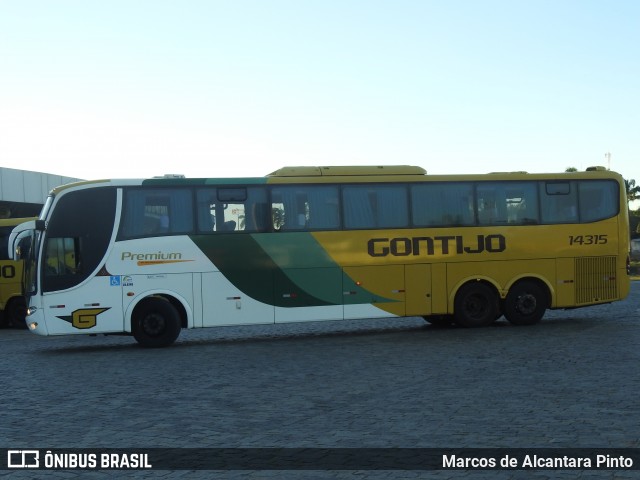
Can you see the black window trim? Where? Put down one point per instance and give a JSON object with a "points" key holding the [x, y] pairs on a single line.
{"points": [[341, 204]]}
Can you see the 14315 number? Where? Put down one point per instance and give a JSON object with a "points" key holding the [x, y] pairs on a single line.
{"points": [[587, 239]]}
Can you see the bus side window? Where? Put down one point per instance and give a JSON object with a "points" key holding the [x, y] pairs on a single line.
{"points": [[558, 201], [442, 204], [277, 214], [246, 208], [260, 214], [375, 206], [305, 207], [157, 211], [491, 202], [289, 208], [232, 209], [522, 203], [206, 208], [598, 199]]}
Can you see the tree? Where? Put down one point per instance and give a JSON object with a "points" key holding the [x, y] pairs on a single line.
{"points": [[571, 169], [633, 190], [278, 217], [634, 222]]}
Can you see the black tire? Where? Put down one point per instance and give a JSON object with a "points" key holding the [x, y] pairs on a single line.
{"points": [[475, 305], [439, 320], [526, 303], [155, 323], [16, 313]]}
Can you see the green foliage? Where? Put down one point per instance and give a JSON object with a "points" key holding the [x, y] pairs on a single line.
{"points": [[278, 217], [634, 222], [633, 190]]}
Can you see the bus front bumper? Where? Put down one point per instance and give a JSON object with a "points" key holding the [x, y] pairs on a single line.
{"points": [[35, 321]]}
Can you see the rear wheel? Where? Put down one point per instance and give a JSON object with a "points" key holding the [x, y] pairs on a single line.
{"points": [[476, 305], [526, 303], [155, 323]]}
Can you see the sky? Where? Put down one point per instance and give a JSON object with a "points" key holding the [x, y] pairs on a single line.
{"points": [[128, 89]]}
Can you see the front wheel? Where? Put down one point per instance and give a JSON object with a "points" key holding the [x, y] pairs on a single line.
{"points": [[476, 305], [526, 303], [155, 323]]}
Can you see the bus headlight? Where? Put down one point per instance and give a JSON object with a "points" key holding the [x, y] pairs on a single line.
{"points": [[33, 325], [31, 311]]}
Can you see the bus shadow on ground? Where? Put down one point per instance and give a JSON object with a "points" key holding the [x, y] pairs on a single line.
{"points": [[280, 333]]}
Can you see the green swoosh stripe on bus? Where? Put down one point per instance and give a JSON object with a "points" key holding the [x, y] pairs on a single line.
{"points": [[253, 262]]}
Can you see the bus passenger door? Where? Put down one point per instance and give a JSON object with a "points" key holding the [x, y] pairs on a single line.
{"points": [[373, 291], [225, 304], [418, 289]]}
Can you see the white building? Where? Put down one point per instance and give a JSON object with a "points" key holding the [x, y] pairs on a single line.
{"points": [[22, 193]]}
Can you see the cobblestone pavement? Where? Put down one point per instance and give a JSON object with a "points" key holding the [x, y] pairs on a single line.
{"points": [[571, 381]]}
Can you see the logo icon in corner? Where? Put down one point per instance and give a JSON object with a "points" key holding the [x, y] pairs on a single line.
{"points": [[84, 317], [23, 458]]}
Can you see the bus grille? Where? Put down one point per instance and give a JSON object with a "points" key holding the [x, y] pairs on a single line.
{"points": [[596, 280]]}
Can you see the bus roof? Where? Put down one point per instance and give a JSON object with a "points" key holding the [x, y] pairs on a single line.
{"points": [[348, 171], [346, 174]]}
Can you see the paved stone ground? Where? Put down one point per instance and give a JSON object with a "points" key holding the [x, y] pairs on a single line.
{"points": [[571, 381]]}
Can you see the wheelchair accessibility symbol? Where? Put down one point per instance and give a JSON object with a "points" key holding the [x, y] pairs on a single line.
{"points": [[115, 280]]}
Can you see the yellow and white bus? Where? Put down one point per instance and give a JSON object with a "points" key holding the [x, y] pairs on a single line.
{"points": [[12, 303], [149, 257]]}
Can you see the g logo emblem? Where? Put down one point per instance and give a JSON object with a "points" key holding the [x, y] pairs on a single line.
{"points": [[86, 317]]}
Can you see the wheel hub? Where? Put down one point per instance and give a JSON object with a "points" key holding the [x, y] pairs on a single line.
{"points": [[476, 306], [526, 304], [153, 324]]}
